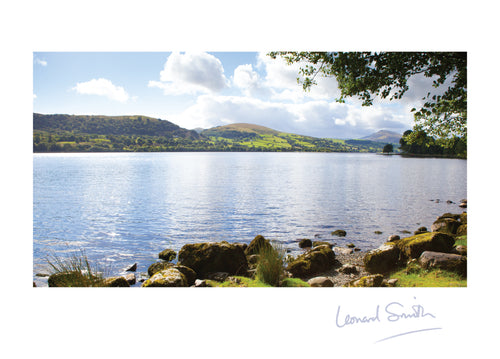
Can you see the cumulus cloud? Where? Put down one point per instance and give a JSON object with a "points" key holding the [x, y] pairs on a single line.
{"points": [[250, 82], [102, 87], [191, 73]]}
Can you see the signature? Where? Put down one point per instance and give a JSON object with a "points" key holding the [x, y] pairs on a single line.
{"points": [[392, 312]]}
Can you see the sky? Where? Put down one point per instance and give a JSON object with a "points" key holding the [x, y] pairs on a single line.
{"points": [[208, 89]]}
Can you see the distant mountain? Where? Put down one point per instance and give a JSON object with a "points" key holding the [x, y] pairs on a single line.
{"points": [[110, 125], [384, 136]]}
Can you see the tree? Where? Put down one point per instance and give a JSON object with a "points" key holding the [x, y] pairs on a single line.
{"points": [[385, 74], [388, 148]]}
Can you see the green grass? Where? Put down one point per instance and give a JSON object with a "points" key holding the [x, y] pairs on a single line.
{"points": [[243, 282], [461, 241], [428, 278], [74, 270]]}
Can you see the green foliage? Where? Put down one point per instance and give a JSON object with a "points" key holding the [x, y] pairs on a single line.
{"points": [[388, 148], [418, 142], [385, 74]]}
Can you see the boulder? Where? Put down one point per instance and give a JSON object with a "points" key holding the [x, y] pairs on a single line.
{"points": [[445, 225], [188, 273], [462, 250], [414, 246], [170, 277], [393, 238], [167, 255], [71, 279], [383, 259], [256, 244], [374, 280], [320, 282], [130, 278], [243, 246], [314, 261], [201, 283], [116, 282], [218, 276], [348, 269], [462, 230], [339, 233], [321, 243], [211, 257], [451, 262], [305, 243], [157, 267]]}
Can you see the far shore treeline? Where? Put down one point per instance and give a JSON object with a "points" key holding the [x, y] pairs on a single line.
{"points": [[78, 133]]}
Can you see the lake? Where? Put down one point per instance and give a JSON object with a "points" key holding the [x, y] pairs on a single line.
{"points": [[123, 208]]}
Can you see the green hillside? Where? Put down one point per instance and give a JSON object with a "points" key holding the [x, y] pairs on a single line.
{"points": [[71, 133]]}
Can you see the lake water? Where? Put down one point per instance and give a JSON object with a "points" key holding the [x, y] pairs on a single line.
{"points": [[123, 208]]}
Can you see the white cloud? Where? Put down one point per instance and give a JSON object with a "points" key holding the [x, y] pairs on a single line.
{"points": [[249, 81], [40, 62], [314, 118], [34, 96], [102, 87], [191, 73]]}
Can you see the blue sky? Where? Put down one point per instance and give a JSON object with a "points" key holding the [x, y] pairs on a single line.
{"points": [[207, 89]]}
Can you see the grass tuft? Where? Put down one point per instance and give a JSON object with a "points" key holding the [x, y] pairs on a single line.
{"points": [[270, 267]]}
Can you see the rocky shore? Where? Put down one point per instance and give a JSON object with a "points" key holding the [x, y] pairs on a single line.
{"points": [[320, 264]]}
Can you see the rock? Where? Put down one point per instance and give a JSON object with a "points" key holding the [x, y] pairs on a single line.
{"points": [[321, 243], [449, 202], [132, 268], [451, 262], [414, 246], [314, 261], [170, 277], [199, 283], [342, 250], [188, 273], [374, 280], [390, 282], [256, 244], [130, 278], [393, 238], [382, 259], [157, 267], [167, 255], [463, 205], [445, 225], [462, 250], [69, 279], [218, 276], [350, 245], [463, 218], [34, 284], [320, 282], [116, 282], [243, 246], [348, 269], [339, 233], [378, 232], [253, 259], [305, 243], [211, 257]]}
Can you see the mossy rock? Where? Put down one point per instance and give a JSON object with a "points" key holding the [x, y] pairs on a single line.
{"points": [[414, 246], [170, 277], [257, 244], [445, 225], [339, 233], [305, 243], [463, 218], [451, 262], [116, 282], [314, 261], [188, 273], [167, 255], [383, 259], [374, 280], [321, 243], [210, 257], [73, 279], [157, 267]]}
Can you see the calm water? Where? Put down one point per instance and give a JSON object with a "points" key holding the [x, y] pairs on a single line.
{"points": [[125, 208]]}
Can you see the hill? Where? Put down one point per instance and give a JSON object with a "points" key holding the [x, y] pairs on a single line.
{"points": [[384, 136], [73, 133], [260, 138]]}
